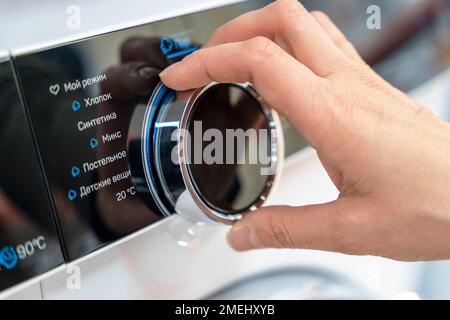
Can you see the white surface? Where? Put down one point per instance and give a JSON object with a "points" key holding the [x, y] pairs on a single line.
{"points": [[25, 26], [3, 55], [32, 292], [29, 289]]}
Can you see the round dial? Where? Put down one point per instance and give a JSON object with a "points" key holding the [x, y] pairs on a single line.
{"points": [[220, 145]]}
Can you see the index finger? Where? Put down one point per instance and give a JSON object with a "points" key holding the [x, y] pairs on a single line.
{"points": [[291, 26], [284, 83]]}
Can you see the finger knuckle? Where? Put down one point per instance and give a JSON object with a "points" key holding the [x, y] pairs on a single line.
{"points": [[338, 37], [223, 33], [320, 15], [290, 9], [261, 47], [341, 41], [200, 53], [343, 104], [203, 59]]}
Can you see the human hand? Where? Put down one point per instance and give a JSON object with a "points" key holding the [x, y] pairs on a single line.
{"points": [[388, 157]]}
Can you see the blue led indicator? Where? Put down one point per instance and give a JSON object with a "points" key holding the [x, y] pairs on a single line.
{"points": [[76, 105], [75, 171], [71, 194], [8, 257], [177, 45], [93, 143]]}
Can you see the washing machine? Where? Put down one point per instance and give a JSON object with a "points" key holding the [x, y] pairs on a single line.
{"points": [[84, 213]]}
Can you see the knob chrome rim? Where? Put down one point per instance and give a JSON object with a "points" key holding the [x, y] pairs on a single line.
{"points": [[154, 153], [276, 155]]}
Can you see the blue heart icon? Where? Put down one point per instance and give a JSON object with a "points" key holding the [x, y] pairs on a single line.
{"points": [[93, 143], [72, 194], [76, 105], [75, 171]]}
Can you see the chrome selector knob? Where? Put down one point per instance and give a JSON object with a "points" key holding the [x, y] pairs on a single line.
{"points": [[215, 151]]}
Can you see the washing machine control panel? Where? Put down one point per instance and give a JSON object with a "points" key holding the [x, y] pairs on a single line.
{"points": [[87, 103], [29, 242]]}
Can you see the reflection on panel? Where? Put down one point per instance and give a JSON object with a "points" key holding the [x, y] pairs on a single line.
{"points": [[82, 98], [28, 239]]}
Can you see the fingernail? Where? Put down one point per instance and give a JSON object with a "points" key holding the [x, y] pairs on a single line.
{"points": [[162, 73], [242, 238]]}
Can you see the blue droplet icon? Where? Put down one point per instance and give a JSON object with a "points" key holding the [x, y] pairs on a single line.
{"points": [[93, 143], [72, 194], [76, 105], [75, 171]]}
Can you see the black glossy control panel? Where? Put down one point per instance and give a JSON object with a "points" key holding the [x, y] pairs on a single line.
{"points": [[67, 119], [29, 242], [82, 100]]}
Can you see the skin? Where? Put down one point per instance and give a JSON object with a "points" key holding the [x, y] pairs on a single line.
{"points": [[388, 157]]}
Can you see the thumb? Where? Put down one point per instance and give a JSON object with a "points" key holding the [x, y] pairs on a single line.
{"points": [[310, 227]]}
